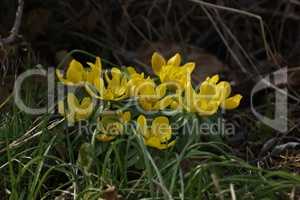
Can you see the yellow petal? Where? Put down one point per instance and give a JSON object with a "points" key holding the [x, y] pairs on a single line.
{"points": [[163, 103], [214, 79], [94, 72], [207, 90], [98, 64], [158, 121], [175, 60], [134, 83], [73, 102], [161, 90], [126, 117], [189, 98], [175, 105], [160, 128], [142, 125], [131, 71], [206, 108], [118, 84], [146, 104], [108, 95], [223, 90], [153, 142], [86, 102], [82, 111], [61, 78], [116, 72], [114, 128], [156, 143], [99, 85], [104, 138], [147, 88], [116, 78], [83, 115], [122, 88], [85, 109], [75, 72], [157, 62], [73, 106], [232, 102], [164, 73], [189, 67]]}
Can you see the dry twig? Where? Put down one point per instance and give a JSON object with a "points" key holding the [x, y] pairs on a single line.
{"points": [[15, 29]]}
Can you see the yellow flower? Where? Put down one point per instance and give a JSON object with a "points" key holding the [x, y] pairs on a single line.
{"points": [[222, 93], [135, 81], [152, 97], [205, 102], [76, 74], [159, 135], [232, 102], [170, 71], [112, 125], [125, 117], [115, 88], [76, 111], [213, 95], [207, 107]]}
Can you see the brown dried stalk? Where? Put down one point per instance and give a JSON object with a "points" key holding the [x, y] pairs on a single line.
{"points": [[15, 29]]}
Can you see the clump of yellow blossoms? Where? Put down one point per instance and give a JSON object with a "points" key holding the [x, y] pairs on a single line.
{"points": [[169, 89]]}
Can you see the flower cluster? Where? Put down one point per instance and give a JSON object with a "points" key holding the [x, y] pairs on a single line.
{"points": [[169, 88]]}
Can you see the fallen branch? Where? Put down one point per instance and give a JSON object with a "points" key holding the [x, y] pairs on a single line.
{"points": [[15, 29]]}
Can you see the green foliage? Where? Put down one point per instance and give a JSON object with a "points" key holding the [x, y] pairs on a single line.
{"points": [[194, 170]]}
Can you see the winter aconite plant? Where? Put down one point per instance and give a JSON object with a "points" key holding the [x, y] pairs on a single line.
{"points": [[118, 98]]}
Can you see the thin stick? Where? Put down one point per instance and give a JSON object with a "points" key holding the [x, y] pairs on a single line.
{"points": [[15, 29], [242, 12], [5, 101], [235, 57], [232, 192]]}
